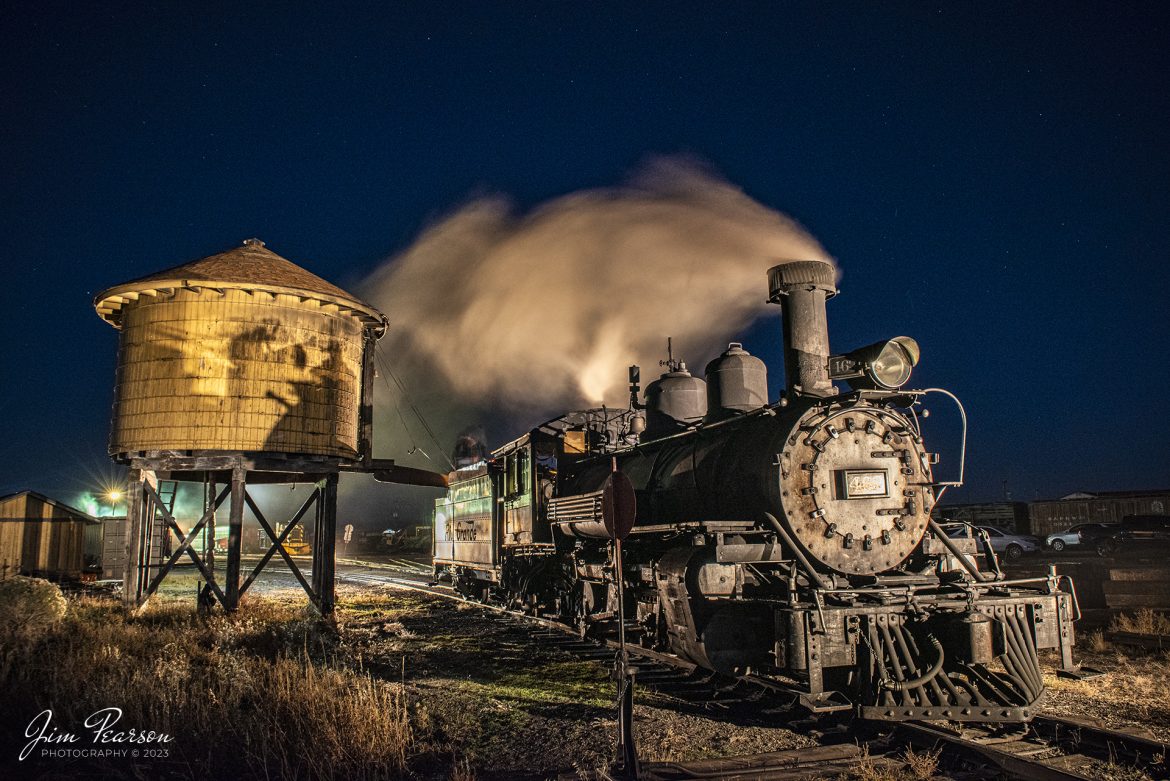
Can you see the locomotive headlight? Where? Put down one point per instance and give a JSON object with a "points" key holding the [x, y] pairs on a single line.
{"points": [[885, 365], [891, 368]]}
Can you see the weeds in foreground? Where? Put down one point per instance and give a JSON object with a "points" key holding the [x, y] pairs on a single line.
{"points": [[1134, 690], [1146, 621], [921, 766], [1098, 643], [249, 695], [461, 770], [910, 765]]}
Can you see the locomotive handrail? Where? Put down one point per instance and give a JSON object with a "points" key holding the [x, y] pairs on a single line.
{"points": [[963, 438], [1072, 590]]}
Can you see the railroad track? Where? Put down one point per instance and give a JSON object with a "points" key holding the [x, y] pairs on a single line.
{"points": [[1140, 640], [1049, 748]]}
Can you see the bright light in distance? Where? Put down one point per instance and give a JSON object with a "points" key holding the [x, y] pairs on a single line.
{"points": [[114, 495]]}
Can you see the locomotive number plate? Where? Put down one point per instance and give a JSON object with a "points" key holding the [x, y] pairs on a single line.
{"points": [[862, 483]]}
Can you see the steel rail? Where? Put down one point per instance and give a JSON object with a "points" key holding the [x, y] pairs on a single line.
{"points": [[927, 737], [1073, 737], [1106, 743]]}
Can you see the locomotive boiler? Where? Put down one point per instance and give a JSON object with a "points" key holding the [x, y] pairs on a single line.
{"points": [[791, 539]]}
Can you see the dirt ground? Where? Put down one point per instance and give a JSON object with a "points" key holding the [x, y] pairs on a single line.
{"points": [[486, 700], [1132, 694], [492, 703], [489, 699]]}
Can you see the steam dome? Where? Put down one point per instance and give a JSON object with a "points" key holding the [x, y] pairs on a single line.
{"points": [[737, 382], [242, 351], [674, 402]]}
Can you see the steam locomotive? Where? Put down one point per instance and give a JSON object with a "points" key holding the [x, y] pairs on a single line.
{"points": [[791, 540]]}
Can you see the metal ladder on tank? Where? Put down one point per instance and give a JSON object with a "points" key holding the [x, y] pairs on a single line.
{"points": [[167, 490]]}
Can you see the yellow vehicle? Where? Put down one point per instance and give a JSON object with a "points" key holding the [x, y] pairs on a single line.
{"points": [[295, 543]]}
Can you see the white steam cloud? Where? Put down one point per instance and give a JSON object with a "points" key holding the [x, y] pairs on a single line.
{"points": [[545, 310]]}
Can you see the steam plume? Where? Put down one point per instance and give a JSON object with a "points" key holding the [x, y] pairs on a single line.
{"points": [[543, 311]]}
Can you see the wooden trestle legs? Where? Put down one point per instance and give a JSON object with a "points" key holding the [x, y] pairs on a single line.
{"points": [[151, 526], [324, 553]]}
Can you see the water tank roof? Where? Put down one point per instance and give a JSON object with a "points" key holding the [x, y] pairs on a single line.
{"points": [[250, 266]]}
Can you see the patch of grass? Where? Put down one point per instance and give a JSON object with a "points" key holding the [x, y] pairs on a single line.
{"points": [[1133, 691], [182, 583], [1098, 643], [461, 770], [552, 682], [1146, 621], [257, 694], [393, 605], [910, 766], [921, 766], [871, 768]]}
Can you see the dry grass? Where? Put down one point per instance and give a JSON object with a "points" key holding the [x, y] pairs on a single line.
{"points": [[921, 766], [461, 770], [1144, 621], [911, 765], [1098, 643], [255, 695], [1133, 693]]}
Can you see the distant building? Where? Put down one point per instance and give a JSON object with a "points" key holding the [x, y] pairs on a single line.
{"points": [[1006, 516], [42, 537], [1052, 515]]}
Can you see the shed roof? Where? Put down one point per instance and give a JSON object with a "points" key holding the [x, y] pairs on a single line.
{"points": [[250, 266], [12, 501]]}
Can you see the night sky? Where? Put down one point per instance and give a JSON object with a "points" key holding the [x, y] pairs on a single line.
{"points": [[991, 178]]}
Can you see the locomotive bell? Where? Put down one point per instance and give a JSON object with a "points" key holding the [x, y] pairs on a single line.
{"points": [[637, 424]]}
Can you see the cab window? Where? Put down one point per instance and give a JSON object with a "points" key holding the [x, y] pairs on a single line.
{"points": [[517, 472]]}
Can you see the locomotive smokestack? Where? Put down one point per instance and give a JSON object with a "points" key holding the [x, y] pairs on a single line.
{"points": [[801, 287]]}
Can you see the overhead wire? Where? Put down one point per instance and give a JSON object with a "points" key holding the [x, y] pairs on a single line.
{"points": [[385, 367], [414, 446]]}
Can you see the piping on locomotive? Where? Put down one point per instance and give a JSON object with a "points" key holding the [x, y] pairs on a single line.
{"points": [[788, 540]]}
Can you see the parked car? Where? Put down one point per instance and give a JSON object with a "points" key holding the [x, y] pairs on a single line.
{"points": [[1009, 546], [1081, 534], [1139, 533]]}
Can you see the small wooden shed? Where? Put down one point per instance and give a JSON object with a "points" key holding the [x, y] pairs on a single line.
{"points": [[41, 537]]}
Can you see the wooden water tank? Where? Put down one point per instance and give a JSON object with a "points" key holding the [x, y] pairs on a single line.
{"points": [[242, 351]]}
